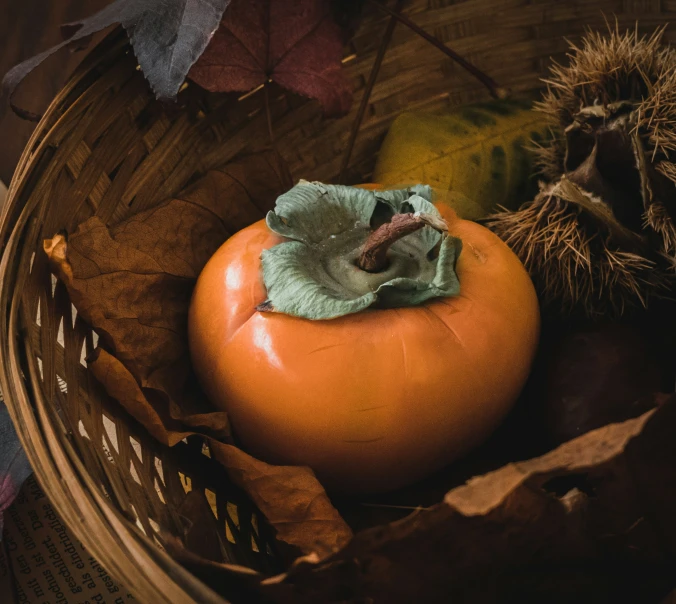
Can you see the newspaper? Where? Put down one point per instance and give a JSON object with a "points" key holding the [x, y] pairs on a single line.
{"points": [[45, 563]]}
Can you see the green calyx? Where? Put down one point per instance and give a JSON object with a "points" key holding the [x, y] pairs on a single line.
{"points": [[316, 275]]}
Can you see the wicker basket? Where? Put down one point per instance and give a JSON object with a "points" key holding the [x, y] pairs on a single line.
{"points": [[106, 147]]}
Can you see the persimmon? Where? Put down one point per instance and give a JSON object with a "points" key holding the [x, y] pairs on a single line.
{"points": [[347, 334]]}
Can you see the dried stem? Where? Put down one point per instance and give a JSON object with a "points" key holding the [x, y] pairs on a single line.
{"points": [[373, 76], [373, 257], [495, 90]]}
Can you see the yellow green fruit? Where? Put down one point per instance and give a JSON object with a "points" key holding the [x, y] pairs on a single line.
{"points": [[477, 157]]}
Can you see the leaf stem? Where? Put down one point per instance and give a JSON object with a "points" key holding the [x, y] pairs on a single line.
{"points": [[373, 76], [495, 90], [373, 257]]}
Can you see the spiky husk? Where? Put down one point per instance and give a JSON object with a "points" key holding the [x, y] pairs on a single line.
{"points": [[575, 266], [548, 158], [607, 69], [577, 262]]}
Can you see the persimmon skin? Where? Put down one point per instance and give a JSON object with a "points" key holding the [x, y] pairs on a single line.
{"points": [[375, 400]]}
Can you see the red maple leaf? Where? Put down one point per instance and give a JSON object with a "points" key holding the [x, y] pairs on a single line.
{"points": [[295, 43]]}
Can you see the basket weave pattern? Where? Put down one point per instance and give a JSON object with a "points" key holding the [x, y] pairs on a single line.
{"points": [[106, 147]]}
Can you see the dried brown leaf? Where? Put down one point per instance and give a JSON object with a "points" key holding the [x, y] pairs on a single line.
{"points": [[133, 283], [588, 522], [121, 385], [290, 497]]}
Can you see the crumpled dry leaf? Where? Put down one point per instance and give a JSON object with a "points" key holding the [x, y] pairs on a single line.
{"points": [[121, 385], [296, 44], [592, 521], [306, 520], [133, 282], [588, 522]]}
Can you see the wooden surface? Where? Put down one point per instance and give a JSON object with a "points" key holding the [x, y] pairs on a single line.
{"points": [[26, 28]]}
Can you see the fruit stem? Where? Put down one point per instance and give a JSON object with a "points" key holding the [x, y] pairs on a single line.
{"points": [[373, 257]]}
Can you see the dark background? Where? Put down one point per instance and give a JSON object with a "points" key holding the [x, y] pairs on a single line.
{"points": [[28, 27]]}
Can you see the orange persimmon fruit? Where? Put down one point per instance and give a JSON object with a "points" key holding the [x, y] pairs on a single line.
{"points": [[379, 397]]}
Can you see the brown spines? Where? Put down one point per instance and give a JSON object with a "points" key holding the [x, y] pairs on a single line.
{"points": [[574, 263], [611, 245]]}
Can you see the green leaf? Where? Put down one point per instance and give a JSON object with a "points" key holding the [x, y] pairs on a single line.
{"points": [[397, 197], [315, 276], [299, 286], [313, 211], [411, 292]]}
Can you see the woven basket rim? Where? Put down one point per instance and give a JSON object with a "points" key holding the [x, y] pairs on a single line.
{"points": [[132, 558]]}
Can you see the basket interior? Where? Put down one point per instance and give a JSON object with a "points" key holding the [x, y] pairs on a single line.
{"points": [[106, 147]]}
